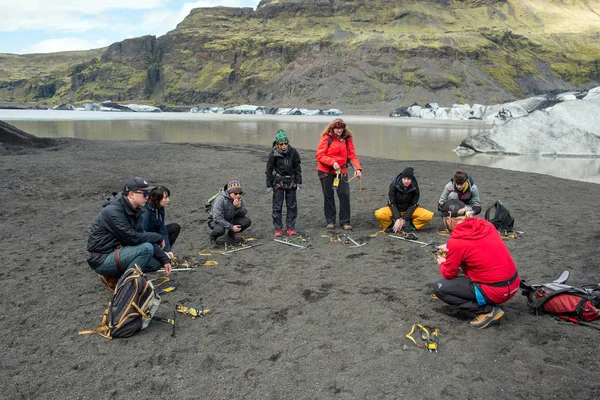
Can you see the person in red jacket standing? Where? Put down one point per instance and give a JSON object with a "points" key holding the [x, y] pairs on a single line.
{"points": [[489, 274], [335, 151]]}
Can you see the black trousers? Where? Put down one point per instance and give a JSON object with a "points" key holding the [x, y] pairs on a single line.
{"points": [[173, 230], [459, 292], [343, 193], [289, 195], [218, 230]]}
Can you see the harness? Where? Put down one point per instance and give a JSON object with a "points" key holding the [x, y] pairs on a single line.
{"points": [[482, 299], [283, 181]]}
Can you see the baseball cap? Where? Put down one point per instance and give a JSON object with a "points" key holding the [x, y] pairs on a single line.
{"points": [[136, 183]]}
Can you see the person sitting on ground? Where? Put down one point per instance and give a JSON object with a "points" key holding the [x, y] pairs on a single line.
{"points": [[117, 241], [489, 273], [461, 187], [403, 210], [284, 177], [228, 214], [153, 218]]}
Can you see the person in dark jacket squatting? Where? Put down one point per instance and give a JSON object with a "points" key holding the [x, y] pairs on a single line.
{"points": [[489, 275], [153, 218], [403, 210], [461, 187], [117, 241], [228, 214], [284, 178]]}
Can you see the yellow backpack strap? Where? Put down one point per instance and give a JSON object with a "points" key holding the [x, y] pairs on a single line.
{"points": [[102, 329]]}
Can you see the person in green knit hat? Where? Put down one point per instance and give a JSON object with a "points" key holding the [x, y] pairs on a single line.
{"points": [[284, 178]]}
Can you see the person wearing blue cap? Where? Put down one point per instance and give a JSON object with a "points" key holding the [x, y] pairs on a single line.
{"points": [[284, 178]]}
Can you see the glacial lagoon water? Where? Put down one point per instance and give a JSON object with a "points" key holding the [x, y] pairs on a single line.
{"points": [[376, 136]]}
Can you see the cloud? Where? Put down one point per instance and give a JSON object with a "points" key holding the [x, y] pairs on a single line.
{"points": [[69, 15], [57, 22], [64, 44], [162, 21]]}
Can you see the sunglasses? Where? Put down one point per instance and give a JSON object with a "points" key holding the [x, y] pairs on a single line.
{"points": [[146, 194]]}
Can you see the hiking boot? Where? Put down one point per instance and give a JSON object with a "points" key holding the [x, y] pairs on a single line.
{"points": [[291, 232], [109, 281], [330, 226], [410, 227], [213, 243], [278, 232], [483, 320], [347, 227]]}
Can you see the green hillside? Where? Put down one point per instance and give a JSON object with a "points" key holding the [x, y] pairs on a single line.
{"points": [[317, 53]]}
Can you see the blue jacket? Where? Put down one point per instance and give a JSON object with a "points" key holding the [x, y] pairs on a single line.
{"points": [[153, 220]]}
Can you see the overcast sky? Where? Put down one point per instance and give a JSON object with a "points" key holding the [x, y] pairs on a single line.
{"points": [[47, 26]]}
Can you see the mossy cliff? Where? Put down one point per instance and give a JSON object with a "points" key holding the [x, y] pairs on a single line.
{"points": [[349, 53]]}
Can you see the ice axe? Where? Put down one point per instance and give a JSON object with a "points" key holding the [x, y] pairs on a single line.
{"points": [[411, 240], [290, 243], [344, 236]]}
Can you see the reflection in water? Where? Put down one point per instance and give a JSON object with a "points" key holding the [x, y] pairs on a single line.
{"points": [[396, 138]]}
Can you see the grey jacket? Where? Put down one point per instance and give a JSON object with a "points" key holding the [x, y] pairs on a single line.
{"points": [[223, 211]]}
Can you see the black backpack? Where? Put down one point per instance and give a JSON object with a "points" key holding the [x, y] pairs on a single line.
{"points": [[131, 308], [500, 217]]}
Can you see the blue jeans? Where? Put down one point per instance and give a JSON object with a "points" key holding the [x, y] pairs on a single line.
{"points": [[130, 256]]}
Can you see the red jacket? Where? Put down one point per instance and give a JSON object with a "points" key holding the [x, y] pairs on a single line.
{"points": [[336, 152], [476, 247]]}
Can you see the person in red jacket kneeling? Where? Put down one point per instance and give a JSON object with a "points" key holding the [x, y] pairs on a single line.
{"points": [[489, 274]]}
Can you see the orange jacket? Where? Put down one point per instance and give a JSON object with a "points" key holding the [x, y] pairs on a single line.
{"points": [[336, 152]]}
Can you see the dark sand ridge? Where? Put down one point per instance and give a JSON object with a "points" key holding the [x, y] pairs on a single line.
{"points": [[324, 322]]}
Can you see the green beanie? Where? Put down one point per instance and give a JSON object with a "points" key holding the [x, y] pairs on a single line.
{"points": [[281, 136]]}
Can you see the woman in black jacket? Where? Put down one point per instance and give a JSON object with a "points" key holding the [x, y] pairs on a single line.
{"points": [[284, 178]]}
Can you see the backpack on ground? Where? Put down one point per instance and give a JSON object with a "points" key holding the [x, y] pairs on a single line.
{"points": [[500, 217], [131, 308], [209, 203], [557, 298]]}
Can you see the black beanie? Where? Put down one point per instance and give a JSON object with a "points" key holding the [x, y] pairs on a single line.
{"points": [[408, 173]]}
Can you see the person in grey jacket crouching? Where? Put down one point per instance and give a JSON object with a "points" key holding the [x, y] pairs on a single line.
{"points": [[228, 214]]}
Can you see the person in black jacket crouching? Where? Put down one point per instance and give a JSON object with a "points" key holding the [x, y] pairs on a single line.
{"points": [[117, 241]]}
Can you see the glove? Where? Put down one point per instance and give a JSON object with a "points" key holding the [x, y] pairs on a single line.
{"points": [[298, 186], [269, 190]]}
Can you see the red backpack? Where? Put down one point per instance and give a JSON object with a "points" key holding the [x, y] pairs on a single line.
{"points": [[581, 303]]}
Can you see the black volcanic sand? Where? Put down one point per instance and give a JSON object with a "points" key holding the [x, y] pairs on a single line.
{"points": [[317, 323]]}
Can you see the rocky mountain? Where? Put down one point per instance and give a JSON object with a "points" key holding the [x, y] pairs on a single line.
{"points": [[350, 54]]}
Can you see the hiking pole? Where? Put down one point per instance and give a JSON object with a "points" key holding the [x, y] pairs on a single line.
{"points": [[241, 248], [410, 240], [290, 243], [576, 321]]}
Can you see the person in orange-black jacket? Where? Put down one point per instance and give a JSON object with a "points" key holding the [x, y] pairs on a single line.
{"points": [[335, 151], [489, 274]]}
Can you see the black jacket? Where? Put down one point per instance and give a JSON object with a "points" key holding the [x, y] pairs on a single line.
{"points": [[403, 199], [280, 166], [119, 224]]}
